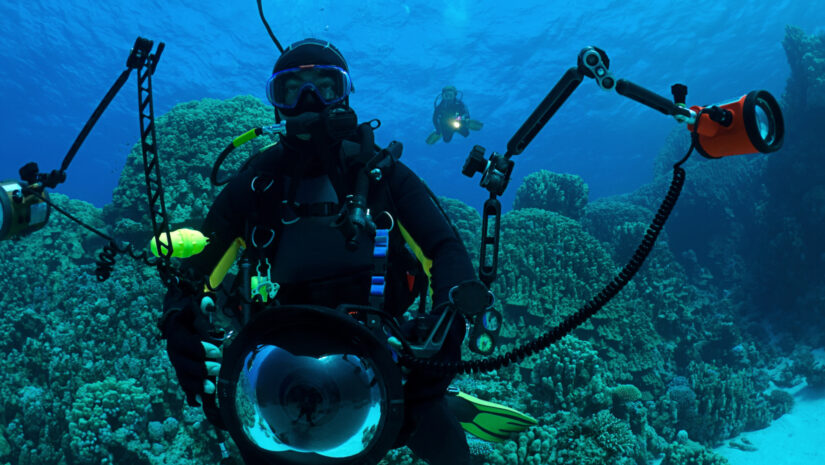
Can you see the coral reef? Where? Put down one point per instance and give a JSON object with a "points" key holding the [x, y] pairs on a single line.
{"points": [[620, 225], [549, 262], [83, 372], [570, 438], [565, 194], [717, 204], [805, 91], [687, 452], [104, 420], [784, 243], [467, 221]]}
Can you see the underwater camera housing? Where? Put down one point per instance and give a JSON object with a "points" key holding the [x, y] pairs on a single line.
{"points": [[306, 385]]}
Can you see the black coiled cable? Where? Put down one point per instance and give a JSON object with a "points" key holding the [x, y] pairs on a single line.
{"points": [[107, 258], [106, 262], [584, 313]]}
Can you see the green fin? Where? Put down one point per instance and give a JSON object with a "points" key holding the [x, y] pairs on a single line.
{"points": [[433, 138], [474, 124], [486, 420]]}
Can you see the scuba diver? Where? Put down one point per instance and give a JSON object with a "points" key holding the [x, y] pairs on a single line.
{"points": [[283, 207], [450, 116]]}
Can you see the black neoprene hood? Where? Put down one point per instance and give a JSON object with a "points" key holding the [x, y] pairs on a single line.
{"points": [[310, 52]]}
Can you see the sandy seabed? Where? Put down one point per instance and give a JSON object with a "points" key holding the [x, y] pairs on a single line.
{"points": [[796, 438]]}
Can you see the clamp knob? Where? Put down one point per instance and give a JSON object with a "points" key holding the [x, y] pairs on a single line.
{"points": [[475, 162]]}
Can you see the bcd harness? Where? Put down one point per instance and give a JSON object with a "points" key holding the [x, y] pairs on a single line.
{"points": [[397, 260]]}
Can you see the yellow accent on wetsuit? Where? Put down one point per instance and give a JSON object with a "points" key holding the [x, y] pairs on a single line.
{"points": [[425, 261], [225, 263]]}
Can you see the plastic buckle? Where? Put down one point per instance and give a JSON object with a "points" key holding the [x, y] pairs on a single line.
{"points": [[262, 286]]}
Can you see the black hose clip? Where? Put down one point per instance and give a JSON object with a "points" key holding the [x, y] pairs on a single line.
{"points": [[719, 115]]}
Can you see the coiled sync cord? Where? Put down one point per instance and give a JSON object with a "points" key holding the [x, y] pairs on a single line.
{"points": [[584, 313]]}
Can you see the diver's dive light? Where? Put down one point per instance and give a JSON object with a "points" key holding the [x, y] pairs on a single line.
{"points": [[750, 124], [21, 213], [456, 122]]}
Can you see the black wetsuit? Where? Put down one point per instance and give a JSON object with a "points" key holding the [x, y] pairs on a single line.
{"points": [[442, 115], [312, 265]]}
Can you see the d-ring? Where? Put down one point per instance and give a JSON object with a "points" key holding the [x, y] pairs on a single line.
{"points": [[297, 218], [392, 220], [252, 184], [271, 238]]}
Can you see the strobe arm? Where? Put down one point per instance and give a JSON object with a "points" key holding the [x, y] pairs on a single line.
{"points": [[496, 169], [653, 100], [546, 109]]}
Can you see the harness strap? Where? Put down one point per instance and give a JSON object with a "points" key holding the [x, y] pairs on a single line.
{"points": [[315, 209]]}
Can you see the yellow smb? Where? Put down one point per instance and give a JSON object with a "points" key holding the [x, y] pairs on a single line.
{"points": [[185, 243]]}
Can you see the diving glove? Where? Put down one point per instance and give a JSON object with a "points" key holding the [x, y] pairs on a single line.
{"points": [[194, 360]]}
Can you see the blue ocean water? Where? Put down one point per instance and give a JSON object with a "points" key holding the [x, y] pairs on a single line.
{"points": [[58, 58]]}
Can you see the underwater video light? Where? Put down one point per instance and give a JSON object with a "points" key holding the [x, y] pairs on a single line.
{"points": [[750, 124]]}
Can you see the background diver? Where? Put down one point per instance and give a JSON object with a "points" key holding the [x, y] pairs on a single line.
{"points": [[294, 190], [450, 116]]}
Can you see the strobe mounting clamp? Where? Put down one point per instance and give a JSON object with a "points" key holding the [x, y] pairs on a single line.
{"points": [[495, 172]]}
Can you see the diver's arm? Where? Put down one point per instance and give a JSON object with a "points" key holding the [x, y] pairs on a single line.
{"points": [[181, 324], [437, 120], [222, 225], [418, 212]]}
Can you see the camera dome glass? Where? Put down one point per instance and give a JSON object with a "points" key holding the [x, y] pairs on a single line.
{"points": [[765, 121], [330, 405]]}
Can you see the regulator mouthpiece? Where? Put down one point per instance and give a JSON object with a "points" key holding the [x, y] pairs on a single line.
{"points": [[750, 124]]}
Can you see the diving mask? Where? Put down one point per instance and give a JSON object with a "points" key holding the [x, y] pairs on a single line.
{"points": [[331, 84]]}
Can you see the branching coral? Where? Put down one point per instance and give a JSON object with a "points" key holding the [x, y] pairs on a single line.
{"points": [[570, 438], [619, 224], [727, 403]]}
